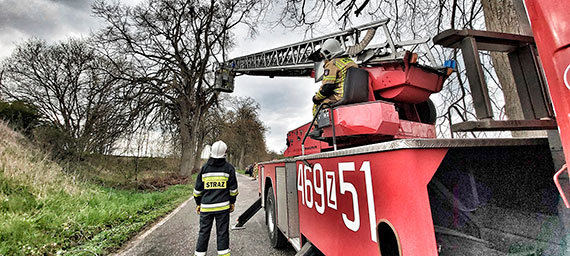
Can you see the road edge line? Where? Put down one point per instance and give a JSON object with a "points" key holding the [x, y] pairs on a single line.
{"points": [[139, 238]]}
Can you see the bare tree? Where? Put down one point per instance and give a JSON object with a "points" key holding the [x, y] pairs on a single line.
{"points": [[245, 132], [235, 120], [69, 85], [213, 124], [174, 44]]}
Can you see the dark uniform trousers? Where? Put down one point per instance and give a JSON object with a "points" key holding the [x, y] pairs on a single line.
{"points": [[222, 229], [215, 191]]}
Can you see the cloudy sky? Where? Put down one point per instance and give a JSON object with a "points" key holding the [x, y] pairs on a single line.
{"points": [[285, 102]]}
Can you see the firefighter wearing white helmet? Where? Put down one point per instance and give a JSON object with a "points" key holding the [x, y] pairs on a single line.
{"points": [[335, 68], [215, 194], [331, 48]]}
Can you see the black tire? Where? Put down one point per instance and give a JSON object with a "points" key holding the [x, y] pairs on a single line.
{"points": [[277, 238]]}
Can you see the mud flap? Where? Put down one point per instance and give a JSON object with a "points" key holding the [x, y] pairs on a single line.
{"points": [[245, 216]]}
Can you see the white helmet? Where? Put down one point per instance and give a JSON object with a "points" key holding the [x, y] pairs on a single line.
{"points": [[206, 152], [218, 149], [331, 48]]}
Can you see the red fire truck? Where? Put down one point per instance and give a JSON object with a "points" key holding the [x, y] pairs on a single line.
{"points": [[379, 182]]}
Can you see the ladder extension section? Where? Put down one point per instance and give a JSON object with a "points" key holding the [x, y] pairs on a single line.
{"points": [[295, 59]]}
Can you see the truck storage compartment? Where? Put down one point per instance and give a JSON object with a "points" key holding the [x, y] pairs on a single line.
{"points": [[495, 201]]}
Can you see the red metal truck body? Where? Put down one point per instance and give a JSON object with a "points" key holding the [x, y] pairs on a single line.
{"points": [[354, 201], [348, 197], [294, 140], [342, 200]]}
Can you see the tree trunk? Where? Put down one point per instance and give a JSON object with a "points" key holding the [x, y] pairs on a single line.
{"points": [[501, 16], [242, 159], [199, 147], [197, 139], [186, 144], [193, 152]]}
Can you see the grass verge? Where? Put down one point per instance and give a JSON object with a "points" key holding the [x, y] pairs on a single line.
{"points": [[97, 220], [45, 210]]}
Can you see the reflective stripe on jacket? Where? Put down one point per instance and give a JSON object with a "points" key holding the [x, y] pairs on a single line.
{"points": [[216, 186], [335, 73]]}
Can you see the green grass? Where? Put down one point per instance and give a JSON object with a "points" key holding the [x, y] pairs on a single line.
{"points": [[79, 208], [96, 220], [241, 171]]}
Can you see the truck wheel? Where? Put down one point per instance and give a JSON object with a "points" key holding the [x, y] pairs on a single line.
{"points": [[278, 240]]}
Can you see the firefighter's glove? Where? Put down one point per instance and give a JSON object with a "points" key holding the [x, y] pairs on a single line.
{"points": [[316, 101], [197, 209], [232, 207]]}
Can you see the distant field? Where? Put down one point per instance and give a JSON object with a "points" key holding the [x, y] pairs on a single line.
{"points": [[93, 209], [149, 173]]}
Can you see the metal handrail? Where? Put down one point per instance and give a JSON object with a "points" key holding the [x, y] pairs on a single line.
{"points": [[559, 187], [310, 126], [313, 122]]}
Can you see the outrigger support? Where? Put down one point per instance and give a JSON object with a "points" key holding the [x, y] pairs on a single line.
{"points": [[245, 216], [308, 250]]}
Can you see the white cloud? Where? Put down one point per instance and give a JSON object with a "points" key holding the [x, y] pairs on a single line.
{"points": [[285, 102], [46, 19]]}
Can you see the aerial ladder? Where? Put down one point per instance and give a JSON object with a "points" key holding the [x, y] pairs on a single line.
{"points": [[301, 59], [379, 182]]}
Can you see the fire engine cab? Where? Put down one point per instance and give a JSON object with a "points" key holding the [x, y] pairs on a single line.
{"points": [[379, 182]]}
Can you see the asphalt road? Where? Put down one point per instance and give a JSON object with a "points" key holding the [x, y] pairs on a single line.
{"points": [[178, 232]]}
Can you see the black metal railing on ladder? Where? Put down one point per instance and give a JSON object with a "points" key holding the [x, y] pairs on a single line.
{"points": [[313, 123]]}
